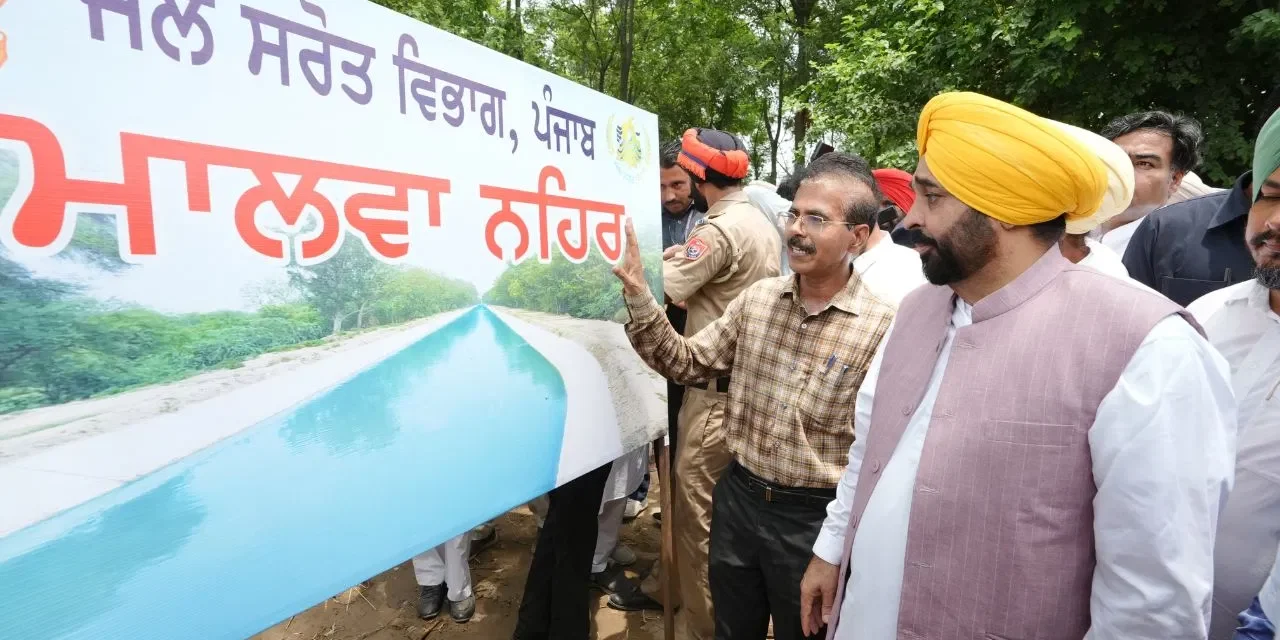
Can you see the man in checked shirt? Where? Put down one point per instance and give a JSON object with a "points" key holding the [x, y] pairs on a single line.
{"points": [[798, 347]]}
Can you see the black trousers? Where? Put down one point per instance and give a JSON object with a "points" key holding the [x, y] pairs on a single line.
{"points": [[759, 551], [556, 604]]}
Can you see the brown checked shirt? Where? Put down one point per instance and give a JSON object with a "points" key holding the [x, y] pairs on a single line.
{"points": [[795, 374]]}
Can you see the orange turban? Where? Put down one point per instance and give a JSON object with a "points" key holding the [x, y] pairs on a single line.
{"points": [[701, 149]]}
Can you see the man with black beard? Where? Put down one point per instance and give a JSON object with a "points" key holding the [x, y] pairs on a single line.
{"points": [[1040, 449], [1243, 322]]}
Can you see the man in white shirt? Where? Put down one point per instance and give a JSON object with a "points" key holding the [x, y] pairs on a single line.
{"points": [[1050, 445], [765, 198], [890, 270], [1076, 245], [1243, 322], [1163, 147]]}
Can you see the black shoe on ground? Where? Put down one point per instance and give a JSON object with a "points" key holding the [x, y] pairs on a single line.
{"points": [[633, 599], [462, 610], [430, 601], [609, 580]]}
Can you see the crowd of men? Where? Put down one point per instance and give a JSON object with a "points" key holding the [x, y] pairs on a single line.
{"points": [[1027, 392]]}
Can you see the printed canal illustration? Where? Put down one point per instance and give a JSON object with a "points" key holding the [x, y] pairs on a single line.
{"points": [[299, 507]]}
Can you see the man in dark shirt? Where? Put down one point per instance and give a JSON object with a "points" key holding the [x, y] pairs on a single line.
{"points": [[1191, 248], [680, 214]]}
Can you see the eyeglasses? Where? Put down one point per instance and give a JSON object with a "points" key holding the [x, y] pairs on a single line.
{"points": [[818, 223]]}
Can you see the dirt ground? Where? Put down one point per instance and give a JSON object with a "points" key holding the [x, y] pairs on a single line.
{"points": [[384, 607]]}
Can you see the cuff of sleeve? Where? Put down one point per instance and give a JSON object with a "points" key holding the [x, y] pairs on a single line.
{"points": [[643, 308], [829, 547]]}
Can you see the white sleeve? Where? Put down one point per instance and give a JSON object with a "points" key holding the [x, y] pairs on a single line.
{"points": [[1163, 461], [830, 543]]}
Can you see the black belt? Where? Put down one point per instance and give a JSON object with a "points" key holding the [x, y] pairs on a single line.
{"points": [[722, 385], [770, 492]]}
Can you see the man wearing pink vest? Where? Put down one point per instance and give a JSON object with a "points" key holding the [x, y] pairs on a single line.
{"points": [[1041, 450]]}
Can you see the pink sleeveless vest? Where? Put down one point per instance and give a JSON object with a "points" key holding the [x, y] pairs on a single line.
{"points": [[1000, 540]]}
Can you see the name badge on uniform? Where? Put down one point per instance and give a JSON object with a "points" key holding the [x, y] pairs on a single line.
{"points": [[695, 249]]}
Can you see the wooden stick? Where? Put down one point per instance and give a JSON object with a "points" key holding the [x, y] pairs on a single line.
{"points": [[663, 454]]}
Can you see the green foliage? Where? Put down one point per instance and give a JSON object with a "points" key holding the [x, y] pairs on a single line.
{"points": [[1081, 61], [589, 290], [56, 346], [416, 293], [343, 286]]}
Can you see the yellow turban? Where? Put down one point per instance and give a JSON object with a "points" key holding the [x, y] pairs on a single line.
{"points": [[1119, 178], [1007, 162]]}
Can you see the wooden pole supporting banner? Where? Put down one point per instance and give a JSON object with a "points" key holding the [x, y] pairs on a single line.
{"points": [[667, 560]]}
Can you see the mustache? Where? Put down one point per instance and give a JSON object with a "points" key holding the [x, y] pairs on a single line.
{"points": [[1263, 237], [920, 238], [800, 245]]}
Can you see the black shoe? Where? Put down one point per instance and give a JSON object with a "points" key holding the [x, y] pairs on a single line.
{"points": [[657, 515], [609, 580], [462, 610], [633, 599], [430, 600]]}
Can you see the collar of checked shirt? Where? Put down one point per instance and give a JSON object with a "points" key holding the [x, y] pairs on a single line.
{"points": [[846, 299]]}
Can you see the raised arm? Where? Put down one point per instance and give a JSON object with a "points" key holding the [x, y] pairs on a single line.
{"points": [[703, 357]]}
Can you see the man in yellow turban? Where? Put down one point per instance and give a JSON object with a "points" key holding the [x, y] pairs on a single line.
{"points": [[1011, 475]]}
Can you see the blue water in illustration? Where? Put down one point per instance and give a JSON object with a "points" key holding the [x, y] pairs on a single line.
{"points": [[453, 430]]}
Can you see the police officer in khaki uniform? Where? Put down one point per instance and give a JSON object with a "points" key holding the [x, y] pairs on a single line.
{"points": [[727, 252]]}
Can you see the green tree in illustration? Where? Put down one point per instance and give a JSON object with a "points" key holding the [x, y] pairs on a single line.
{"points": [[588, 290], [411, 293], [343, 286]]}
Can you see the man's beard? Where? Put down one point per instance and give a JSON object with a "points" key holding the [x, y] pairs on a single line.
{"points": [[969, 246], [1267, 276], [677, 208]]}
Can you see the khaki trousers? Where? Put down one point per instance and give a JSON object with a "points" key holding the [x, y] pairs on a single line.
{"points": [[702, 457]]}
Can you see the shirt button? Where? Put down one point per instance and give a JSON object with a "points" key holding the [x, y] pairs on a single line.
{"points": [[875, 466], [804, 326], [906, 410]]}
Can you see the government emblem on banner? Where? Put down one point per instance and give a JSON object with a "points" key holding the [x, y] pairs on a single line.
{"points": [[629, 147]]}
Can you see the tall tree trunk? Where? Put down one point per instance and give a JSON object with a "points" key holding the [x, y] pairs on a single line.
{"points": [[517, 29], [337, 322], [802, 12], [626, 45]]}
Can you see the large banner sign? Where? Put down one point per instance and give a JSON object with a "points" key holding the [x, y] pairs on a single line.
{"points": [[291, 291]]}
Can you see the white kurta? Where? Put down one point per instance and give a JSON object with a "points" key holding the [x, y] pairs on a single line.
{"points": [[1102, 258], [1241, 325], [1162, 447], [890, 270], [1118, 238]]}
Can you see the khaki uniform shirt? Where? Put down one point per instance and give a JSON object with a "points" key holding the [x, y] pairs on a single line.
{"points": [[732, 249]]}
